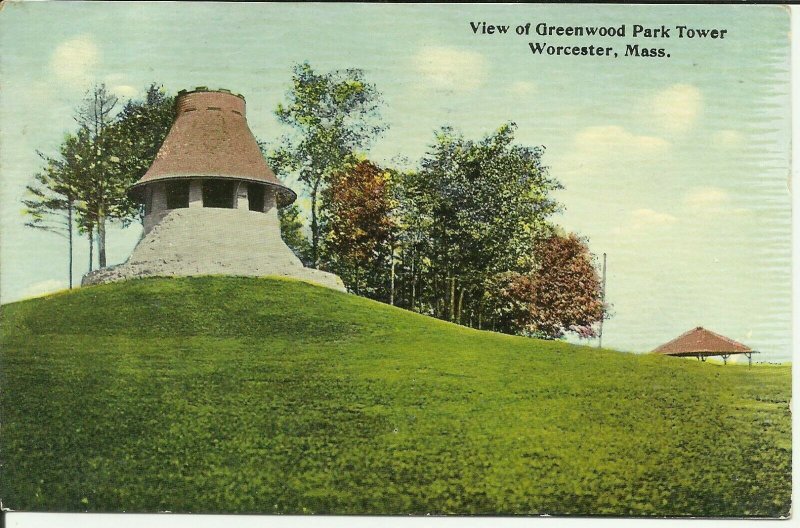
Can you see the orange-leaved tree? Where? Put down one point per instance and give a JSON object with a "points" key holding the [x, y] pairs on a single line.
{"points": [[561, 293], [360, 229]]}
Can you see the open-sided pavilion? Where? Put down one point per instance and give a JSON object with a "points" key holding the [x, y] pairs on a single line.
{"points": [[701, 343]]}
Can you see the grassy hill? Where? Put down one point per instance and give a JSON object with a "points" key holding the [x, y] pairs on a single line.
{"points": [[261, 395]]}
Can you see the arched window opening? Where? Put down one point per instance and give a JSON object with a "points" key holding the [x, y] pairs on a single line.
{"points": [[255, 195], [218, 193], [177, 194]]}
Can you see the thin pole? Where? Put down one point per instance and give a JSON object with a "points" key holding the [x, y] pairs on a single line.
{"points": [[603, 300]]}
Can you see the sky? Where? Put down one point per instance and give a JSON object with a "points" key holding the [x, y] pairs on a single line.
{"points": [[677, 168]]}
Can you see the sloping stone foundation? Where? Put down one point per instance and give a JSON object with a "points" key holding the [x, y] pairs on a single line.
{"points": [[209, 241]]}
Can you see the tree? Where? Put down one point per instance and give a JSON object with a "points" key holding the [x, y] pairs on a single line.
{"points": [[568, 290], [359, 227], [332, 116], [507, 302], [94, 116], [65, 189], [115, 150], [134, 139], [560, 293], [77, 154], [412, 218], [480, 205], [293, 233], [121, 149], [85, 186], [52, 202]]}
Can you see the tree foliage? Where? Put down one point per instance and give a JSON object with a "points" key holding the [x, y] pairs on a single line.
{"points": [[104, 194], [52, 200], [332, 115], [134, 139], [474, 210], [568, 292], [466, 236], [87, 182], [293, 232], [560, 293], [360, 229]]}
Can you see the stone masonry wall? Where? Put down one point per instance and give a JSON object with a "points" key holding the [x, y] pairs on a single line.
{"points": [[210, 241]]}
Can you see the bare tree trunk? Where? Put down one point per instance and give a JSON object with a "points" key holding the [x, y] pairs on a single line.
{"points": [[452, 297], [413, 284], [403, 293], [391, 288], [440, 289], [91, 248], [101, 239], [460, 303], [315, 224], [69, 238], [414, 292]]}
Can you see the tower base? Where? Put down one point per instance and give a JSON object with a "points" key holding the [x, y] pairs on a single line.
{"points": [[210, 241]]}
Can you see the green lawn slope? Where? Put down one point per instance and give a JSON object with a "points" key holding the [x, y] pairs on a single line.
{"points": [[264, 395]]}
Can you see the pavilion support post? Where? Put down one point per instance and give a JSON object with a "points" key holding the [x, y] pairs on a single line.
{"points": [[724, 359], [749, 359]]}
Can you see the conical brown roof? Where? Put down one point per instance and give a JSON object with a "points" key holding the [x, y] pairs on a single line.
{"points": [[210, 139], [699, 340]]}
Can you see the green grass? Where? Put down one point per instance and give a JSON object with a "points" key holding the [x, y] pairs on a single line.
{"points": [[258, 395]]}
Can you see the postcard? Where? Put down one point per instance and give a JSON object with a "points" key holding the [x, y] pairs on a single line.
{"points": [[396, 259]]}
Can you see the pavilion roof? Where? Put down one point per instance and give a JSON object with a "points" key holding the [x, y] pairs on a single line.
{"points": [[701, 341]]}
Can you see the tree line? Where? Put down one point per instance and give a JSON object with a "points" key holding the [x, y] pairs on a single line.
{"points": [[82, 188], [465, 235]]}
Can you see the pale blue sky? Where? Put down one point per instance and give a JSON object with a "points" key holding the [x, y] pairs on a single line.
{"points": [[677, 168]]}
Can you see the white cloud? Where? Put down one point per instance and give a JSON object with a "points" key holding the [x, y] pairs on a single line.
{"points": [[124, 90], [648, 217], [522, 88], [606, 139], [116, 84], [75, 60], [610, 149], [451, 68], [43, 287], [642, 219], [677, 107], [728, 138], [713, 200], [705, 198]]}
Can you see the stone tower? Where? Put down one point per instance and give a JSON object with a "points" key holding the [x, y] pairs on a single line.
{"points": [[210, 201]]}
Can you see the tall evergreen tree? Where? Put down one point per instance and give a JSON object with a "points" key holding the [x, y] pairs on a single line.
{"points": [[86, 185], [51, 203], [94, 116], [134, 139]]}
